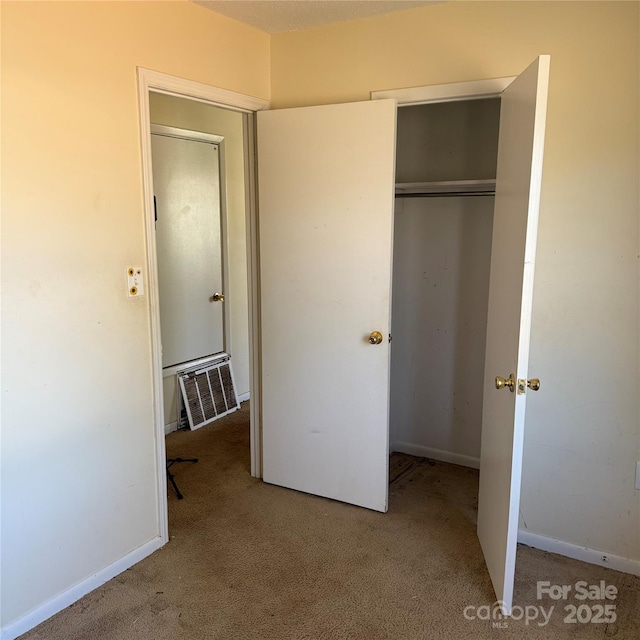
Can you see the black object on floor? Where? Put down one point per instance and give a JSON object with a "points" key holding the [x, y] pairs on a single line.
{"points": [[171, 477]]}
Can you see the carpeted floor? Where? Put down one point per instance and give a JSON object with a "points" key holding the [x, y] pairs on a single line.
{"points": [[247, 560]]}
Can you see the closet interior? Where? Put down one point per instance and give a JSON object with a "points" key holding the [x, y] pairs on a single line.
{"points": [[445, 184]]}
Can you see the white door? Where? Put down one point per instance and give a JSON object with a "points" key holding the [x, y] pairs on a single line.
{"points": [[520, 148], [186, 183], [326, 186]]}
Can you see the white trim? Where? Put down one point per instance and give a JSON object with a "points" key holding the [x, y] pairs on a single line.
{"points": [[163, 83], [452, 92], [253, 271], [170, 428], [173, 85], [154, 305], [436, 454], [529, 538], [185, 134], [224, 248], [73, 594], [244, 397], [575, 551]]}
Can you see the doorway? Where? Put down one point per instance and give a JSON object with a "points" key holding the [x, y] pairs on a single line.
{"points": [[241, 234], [446, 159], [199, 200], [446, 164], [199, 186]]}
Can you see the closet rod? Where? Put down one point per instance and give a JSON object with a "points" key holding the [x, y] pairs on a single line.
{"points": [[445, 194]]}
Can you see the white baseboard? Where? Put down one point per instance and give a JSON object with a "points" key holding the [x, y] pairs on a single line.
{"points": [[592, 556], [243, 397], [436, 454], [536, 540], [170, 428], [73, 594]]}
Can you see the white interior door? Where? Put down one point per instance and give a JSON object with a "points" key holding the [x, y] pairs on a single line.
{"points": [[520, 149], [326, 187], [186, 182]]}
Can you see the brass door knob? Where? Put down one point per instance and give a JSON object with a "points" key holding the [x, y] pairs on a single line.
{"points": [[218, 297], [506, 382], [375, 337], [533, 384]]}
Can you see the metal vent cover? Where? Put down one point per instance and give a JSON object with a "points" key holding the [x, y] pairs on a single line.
{"points": [[208, 393]]}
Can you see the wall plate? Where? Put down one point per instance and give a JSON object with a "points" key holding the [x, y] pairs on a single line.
{"points": [[135, 282]]}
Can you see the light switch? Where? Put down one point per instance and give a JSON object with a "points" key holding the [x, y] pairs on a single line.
{"points": [[135, 282]]}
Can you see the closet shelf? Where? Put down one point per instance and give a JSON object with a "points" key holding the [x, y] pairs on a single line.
{"points": [[446, 188]]}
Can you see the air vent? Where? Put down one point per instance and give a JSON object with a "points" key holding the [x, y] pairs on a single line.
{"points": [[208, 393]]}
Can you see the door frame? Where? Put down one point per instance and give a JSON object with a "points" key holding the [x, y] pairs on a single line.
{"points": [[450, 92], [454, 92], [158, 82]]}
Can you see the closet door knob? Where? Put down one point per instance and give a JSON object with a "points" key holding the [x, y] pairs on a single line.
{"points": [[217, 297], [506, 382], [533, 384], [375, 337]]}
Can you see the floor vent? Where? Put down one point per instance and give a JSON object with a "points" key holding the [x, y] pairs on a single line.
{"points": [[183, 422], [208, 393]]}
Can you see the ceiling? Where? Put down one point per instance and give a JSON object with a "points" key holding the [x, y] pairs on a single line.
{"points": [[277, 16]]}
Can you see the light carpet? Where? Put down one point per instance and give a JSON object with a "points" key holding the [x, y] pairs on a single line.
{"points": [[251, 561]]}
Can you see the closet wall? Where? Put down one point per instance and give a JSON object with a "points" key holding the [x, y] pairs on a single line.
{"points": [[442, 251]]}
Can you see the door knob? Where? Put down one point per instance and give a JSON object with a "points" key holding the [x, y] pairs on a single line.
{"points": [[218, 297], [533, 384], [506, 382], [375, 337]]}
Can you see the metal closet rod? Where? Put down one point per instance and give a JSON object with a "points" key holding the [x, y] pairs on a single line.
{"points": [[445, 194]]}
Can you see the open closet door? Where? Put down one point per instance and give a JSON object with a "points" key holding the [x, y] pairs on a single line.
{"points": [[326, 193], [519, 174]]}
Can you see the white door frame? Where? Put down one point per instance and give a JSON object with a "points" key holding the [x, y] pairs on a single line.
{"points": [[172, 85], [452, 92]]}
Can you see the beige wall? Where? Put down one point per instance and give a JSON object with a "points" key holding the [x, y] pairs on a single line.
{"points": [[196, 116], [78, 469], [76, 352], [582, 438]]}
